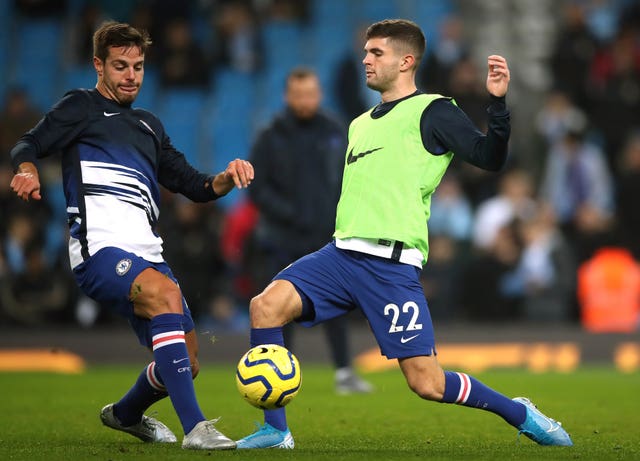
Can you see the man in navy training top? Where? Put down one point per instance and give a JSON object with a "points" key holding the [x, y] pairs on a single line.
{"points": [[114, 159]]}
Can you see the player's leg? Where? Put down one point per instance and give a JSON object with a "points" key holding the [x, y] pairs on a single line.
{"points": [[427, 379], [397, 311], [107, 277], [276, 306], [157, 297], [311, 291]]}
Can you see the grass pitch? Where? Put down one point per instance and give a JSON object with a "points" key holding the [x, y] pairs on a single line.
{"points": [[55, 417]]}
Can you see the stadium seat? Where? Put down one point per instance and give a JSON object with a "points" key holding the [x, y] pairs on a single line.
{"points": [[284, 44], [180, 111], [37, 66], [80, 76]]}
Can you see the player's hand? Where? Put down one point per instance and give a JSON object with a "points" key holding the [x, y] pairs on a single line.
{"points": [[26, 182], [239, 173], [498, 75]]}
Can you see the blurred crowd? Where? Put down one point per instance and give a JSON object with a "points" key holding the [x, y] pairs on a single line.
{"points": [[518, 246]]}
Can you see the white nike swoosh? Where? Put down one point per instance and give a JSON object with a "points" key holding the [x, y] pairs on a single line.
{"points": [[110, 114], [181, 360], [406, 340]]}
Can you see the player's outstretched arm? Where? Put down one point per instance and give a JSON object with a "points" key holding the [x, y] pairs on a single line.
{"points": [[498, 75], [239, 173], [26, 182]]}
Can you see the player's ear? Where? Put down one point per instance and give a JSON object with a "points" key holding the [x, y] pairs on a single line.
{"points": [[98, 65], [407, 62]]}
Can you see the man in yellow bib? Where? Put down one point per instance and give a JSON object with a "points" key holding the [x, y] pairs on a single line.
{"points": [[398, 151]]}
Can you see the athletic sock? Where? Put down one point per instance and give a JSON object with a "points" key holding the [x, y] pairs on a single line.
{"points": [[465, 390], [172, 359], [147, 390], [276, 418]]}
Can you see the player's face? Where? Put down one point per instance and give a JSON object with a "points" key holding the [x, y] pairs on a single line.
{"points": [[303, 96], [381, 64], [121, 74]]}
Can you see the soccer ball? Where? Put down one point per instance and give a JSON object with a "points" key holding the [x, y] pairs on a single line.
{"points": [[268, 376]]}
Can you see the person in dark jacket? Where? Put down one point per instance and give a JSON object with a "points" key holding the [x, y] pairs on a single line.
{"points": [[299, 158]]}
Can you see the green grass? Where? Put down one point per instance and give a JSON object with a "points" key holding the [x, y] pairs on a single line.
{"points": [[55, 417]]}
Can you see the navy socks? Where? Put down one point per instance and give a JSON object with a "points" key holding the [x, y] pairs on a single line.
{"points": [[147, 390], [172, 359], [276, 418], [465, 390]]}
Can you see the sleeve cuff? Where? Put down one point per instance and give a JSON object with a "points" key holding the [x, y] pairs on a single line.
{"points": [[212, 192], [22, 153], [498, 105]]}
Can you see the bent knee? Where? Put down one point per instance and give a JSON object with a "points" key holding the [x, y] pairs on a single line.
{"points": [[268, 309], [262, 312], [156, 296]]}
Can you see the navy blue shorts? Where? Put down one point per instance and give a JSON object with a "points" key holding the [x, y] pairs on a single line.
{"points": [[332, 282], [107, 277]]}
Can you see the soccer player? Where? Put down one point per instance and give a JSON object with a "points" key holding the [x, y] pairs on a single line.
{"points": [[114, 158], [398, 151]]}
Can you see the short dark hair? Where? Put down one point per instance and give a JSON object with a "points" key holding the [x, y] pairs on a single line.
{"points": [[112, 33], [300, 72], [402, 31]]}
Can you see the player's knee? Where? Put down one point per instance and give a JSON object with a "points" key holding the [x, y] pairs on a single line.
{"points": [[265, 313], [155, 298]]}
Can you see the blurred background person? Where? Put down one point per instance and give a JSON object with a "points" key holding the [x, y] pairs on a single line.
{"points": [[450, 227], [577, 184], [298, 159], [235, 37], [182, 60], [543, 278], [513, 201], [352, 95], [627, 193], [17, 115]]}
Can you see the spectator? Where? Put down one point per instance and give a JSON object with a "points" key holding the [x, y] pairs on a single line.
{"points": [[627, 193], [236, 38], [183, 62], [514, 201], [557, 116], [38, 294], [17, 115], [192, 233], [466, 87], [544, 278], [451, 212], [91, 16], [35, 9], [486, 296], [351, 93], [614, 90], [573, 52], [578, 185], [434, 76], [299, 159]]}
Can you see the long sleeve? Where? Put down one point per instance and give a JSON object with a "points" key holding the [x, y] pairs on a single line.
{"points": [[445, 127], [177, 175], [59, 127]]}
